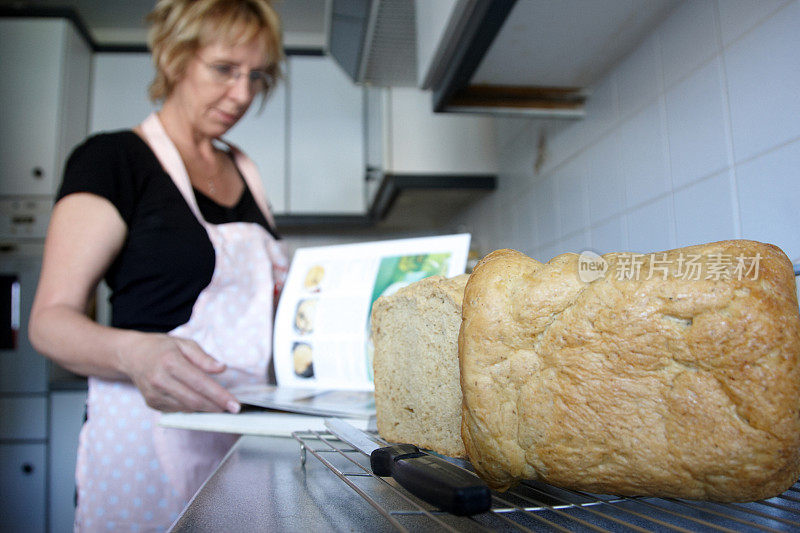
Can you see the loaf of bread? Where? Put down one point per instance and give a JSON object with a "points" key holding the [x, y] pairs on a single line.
{"points": [[675, 374], [417, 389]]}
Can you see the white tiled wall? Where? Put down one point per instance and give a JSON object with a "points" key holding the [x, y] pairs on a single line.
{"points": [[694, 137]]}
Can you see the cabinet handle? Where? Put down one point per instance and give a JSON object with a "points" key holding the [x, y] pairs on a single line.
{"points": [[38, 172], [27, 469]]}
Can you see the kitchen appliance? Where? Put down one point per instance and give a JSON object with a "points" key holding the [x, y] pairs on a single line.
{"points": [[37, 464], [9, 311], [22, 370], [23, 393]]}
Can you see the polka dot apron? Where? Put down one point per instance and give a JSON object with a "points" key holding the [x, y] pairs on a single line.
{"points": [[132, 474]]}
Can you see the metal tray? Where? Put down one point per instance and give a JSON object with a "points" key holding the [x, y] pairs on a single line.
{"points": [[534, 506]]}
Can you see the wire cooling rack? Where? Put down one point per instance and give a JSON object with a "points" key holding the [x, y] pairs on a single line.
{"points": [[534, 506]]}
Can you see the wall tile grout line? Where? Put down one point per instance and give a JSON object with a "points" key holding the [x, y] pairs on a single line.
{"points": [[725, 89]]}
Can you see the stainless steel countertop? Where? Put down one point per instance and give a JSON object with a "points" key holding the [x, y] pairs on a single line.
{"points": [[262, 486]]}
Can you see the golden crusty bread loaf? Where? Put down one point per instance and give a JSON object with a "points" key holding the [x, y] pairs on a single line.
{"points": [[417, 389], [669, 386]]}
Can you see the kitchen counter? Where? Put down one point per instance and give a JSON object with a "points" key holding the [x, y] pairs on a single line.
{"points": [[262, 486]]}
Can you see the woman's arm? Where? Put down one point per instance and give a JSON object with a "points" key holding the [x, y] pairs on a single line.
{"points": [[85, 235]]}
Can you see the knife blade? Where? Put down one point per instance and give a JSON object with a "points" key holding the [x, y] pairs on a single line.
{"points": [[426, 476]]}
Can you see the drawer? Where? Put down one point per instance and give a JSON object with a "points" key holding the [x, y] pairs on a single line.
{"points": [[23, 417]]}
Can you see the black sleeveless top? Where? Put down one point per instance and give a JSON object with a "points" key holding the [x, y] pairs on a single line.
{"points": [[167, 258]]}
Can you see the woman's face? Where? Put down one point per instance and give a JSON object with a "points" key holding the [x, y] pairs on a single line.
{"points": [[210, 95]]}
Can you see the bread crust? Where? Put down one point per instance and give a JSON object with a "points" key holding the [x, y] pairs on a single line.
{"points": [[660, 387]]}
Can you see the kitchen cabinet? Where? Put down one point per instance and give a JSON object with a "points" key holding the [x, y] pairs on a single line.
{"points": [[307, 140], [126, 76], [415, 140], [23, 417], [24, 217], [119, 90], [262, 135], [326, 139], [22, 486], [67, 408], [23, 400], [406, 138], [45, 64], [23, 463]]}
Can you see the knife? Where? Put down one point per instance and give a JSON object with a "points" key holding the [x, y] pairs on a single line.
{"points": [[426, 476]]}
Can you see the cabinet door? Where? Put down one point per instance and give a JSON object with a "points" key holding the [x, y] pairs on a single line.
{"points": [[66, 418], [374, 139], [30, 83], [326, 139], [23, 417], [126, 76], [73, 118], [424, 142], [22, 488], [120, 77], [262, 135]]}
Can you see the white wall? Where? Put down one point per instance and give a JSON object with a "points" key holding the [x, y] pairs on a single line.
{"points": [[694, 137]]}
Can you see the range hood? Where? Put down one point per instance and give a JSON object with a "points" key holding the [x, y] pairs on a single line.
{"points": [[534, 58], [402, 203], [374, 41]]}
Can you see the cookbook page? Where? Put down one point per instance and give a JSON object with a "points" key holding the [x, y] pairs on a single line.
{"points": [[342, 403], [322, 327]]}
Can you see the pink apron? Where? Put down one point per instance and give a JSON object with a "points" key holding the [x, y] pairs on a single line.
{"points": [[132, 474]]}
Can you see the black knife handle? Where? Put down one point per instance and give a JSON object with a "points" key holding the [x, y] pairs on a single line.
{"points": [[432, 479], [382, 459]]}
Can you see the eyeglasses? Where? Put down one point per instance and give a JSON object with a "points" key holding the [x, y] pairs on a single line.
{"points": [[228, 74]]}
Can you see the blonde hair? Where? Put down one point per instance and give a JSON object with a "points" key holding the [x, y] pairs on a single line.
{"points": [[178, 28]]}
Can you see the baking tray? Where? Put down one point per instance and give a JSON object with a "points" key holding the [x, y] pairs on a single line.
{"points": [[534, 506]]}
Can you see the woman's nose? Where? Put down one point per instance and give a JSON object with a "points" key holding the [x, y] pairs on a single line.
{"points": [[242, 90]]}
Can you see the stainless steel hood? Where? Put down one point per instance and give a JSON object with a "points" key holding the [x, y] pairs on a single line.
{"points": [[374, 41], [535, 58]]}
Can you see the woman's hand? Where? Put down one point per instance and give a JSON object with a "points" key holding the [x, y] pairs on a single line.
{"points": [[85, 235], [173, 374]]}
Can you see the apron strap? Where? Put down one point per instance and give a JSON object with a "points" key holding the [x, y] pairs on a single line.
{"points": [[167, 154], [169, 157], [276, 249], [253, 179]]}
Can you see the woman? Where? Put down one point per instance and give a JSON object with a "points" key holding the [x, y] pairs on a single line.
{"points": [[178, 225]]}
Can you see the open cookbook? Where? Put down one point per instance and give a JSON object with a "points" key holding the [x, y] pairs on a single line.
{"points": [[322, 350]]}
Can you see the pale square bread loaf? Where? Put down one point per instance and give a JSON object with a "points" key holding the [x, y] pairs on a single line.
{"points": [[660, 385], [417, 389]]}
